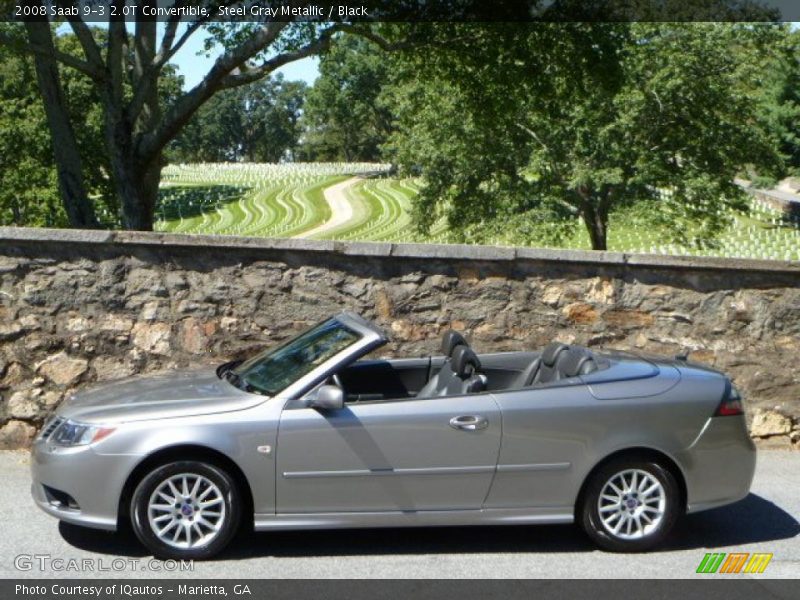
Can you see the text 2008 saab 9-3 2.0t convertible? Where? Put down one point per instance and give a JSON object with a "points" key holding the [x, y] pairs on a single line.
{"points": [[311, 434]]}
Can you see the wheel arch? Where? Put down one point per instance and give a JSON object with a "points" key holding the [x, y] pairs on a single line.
{"points": [[642, 452], [184, 452]]}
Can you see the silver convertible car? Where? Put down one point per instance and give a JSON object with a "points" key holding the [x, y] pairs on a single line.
{"points": [[312, 434]]}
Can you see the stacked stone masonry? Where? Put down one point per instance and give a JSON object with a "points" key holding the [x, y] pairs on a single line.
{"points": [[81, 307]]}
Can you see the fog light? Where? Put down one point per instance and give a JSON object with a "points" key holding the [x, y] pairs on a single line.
{"points": [[59, 499]]}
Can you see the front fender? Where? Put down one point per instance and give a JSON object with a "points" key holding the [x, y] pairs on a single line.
{"points": [[242, 436]]}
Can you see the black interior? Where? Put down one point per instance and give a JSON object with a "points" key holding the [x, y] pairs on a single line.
{"points": [[460, 371], [382, 379]]}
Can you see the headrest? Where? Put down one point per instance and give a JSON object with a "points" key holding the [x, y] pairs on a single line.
{"points": [[552, 351], [451, 340], [464, 362], [577, 361]]}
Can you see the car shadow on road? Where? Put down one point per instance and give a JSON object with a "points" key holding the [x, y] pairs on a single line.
{"points": [[749, 521]]}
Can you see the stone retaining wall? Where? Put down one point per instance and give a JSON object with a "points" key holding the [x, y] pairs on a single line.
{"points": [[84, 306]]}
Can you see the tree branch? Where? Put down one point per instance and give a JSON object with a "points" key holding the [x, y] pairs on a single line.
{"points": [[368, 34], [231, 70], [66, 154], [166, 51], [365, 31], [170, 29], [546, 148], [117, 55], [533, 134], [86, 39], [150, 144], [243, 76]]}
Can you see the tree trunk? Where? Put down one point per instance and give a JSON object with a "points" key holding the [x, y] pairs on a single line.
{"points": [[137, 189], [69, 170], [138, 198], [596, 222], [136, 175], [135, 180], [15, 211]]}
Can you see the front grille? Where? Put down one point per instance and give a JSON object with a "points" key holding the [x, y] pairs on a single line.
{"points": [[49, 427]]}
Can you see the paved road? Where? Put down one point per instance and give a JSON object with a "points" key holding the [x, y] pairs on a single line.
{"points": [[341, 208], [766, 521]]}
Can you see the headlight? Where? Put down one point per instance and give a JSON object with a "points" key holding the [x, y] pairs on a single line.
{"points": [[72, 433]]}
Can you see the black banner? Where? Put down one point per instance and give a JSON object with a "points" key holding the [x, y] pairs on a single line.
{"points": [[403, 10], [215, 589]]}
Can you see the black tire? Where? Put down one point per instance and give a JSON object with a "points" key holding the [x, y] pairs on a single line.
{"points": [[213, 481], [633, 509]]}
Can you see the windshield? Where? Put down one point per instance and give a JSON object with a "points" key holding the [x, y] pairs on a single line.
{"points": [[276, 369]]}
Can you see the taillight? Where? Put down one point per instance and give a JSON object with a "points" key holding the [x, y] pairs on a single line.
{"points": [[731, 403]]}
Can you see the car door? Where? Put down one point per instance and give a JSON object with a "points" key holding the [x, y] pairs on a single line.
{"points": [[409, 455], [548, 445]]}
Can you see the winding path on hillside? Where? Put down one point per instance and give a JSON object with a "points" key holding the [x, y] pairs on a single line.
{"points": [[341, 208]]}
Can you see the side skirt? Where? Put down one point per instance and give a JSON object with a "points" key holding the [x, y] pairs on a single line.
{"points": [[422, 518]]}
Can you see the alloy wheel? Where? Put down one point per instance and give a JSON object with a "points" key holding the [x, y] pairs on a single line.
{"points": [[186, 510], [632, 504]]}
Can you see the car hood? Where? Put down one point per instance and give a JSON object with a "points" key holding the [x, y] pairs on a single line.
{"points": [[173, 394]]}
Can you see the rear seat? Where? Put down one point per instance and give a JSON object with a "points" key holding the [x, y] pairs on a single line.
{"points": [[576, 361], [558, 361]]}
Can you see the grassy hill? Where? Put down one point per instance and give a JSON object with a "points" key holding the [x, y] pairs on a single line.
{"points": [[287, 200]]}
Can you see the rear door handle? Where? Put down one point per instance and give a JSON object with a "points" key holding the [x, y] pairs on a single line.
{"points": [[469, 422]]}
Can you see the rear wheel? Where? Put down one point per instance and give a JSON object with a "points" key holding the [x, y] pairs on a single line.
{"points": [[186, 510], [630, 505]]}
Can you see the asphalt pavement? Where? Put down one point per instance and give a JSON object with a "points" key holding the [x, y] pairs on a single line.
{"points": [[36, 545]]}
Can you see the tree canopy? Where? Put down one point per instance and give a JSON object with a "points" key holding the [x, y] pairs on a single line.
{"points": [[524, 130], [520, 131], [255, 123], [127, 66], [345, 118], [28, 176]]}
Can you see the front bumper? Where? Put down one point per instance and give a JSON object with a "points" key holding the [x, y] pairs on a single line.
{"points": [[720, 464], [93, 480]]}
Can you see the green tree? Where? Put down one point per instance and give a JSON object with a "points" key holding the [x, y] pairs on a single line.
{"points": [[29, 179], [28, 194], [524, 131], [256, 123], [127, 64], [780, 95], [344, 118]]}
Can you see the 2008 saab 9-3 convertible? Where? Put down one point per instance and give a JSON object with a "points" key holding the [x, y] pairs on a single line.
{"points": [[311, 434]]}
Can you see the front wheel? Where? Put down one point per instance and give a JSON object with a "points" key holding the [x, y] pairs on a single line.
{"points": [[630, 505], [186, 510]]}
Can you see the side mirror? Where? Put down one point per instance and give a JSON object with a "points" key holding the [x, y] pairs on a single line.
{"points": [[329, 397]]}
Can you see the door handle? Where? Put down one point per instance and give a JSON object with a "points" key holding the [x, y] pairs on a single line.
{"points": [[469, 422]]}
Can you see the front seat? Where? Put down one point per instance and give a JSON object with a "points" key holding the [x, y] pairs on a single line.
{"points": [[463, 375], [450, 341]]}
